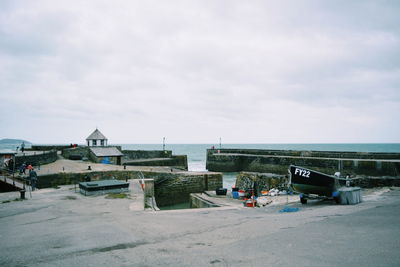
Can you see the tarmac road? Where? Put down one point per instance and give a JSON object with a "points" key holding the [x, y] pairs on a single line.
{"points": [[63, 228]]}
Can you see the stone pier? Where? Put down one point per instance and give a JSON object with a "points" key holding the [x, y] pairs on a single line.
{"points": [[277, 161]]}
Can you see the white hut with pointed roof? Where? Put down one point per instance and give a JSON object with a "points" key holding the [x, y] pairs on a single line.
{"points": [[96, 139]]}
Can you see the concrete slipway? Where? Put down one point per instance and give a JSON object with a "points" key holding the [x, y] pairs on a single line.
{"points": [[59, 227]]}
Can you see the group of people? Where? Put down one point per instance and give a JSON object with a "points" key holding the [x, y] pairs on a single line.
{"points": [[32, 178]]}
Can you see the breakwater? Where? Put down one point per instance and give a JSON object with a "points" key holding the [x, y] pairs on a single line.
{"points": [[134, 157], [147, 154], [154, 158], [278, 161]]}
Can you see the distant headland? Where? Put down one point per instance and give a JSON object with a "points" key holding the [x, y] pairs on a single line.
{"points": [[9, 141]]}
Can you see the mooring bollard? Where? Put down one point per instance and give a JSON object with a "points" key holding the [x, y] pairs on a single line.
{"points": [[22, 192]]}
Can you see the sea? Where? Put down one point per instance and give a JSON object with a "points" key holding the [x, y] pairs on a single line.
{"points": [[197, 152]]}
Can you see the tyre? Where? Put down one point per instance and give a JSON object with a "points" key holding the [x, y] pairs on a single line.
{"points": [[337, 200], [303, 200]]}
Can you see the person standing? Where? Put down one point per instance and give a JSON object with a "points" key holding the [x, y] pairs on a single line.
{"points": [[30, 168], [11, 166], [22, 168], [23, 147], [33, 179]]}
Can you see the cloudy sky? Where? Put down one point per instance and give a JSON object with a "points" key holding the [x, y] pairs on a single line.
{"points": [[195, 71]]}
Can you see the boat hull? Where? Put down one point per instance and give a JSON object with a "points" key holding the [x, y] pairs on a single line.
{"points": [[312, 189], [308, 182]]}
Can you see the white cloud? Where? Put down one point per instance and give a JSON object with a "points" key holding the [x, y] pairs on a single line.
{"points": [[195, 71]]}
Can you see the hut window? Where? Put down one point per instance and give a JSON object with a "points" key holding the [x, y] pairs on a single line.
{"points": [[102, 142], [94, 142]]}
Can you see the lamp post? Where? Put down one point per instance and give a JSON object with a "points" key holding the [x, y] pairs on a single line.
{"points": [[14, 164], [163, 146]]}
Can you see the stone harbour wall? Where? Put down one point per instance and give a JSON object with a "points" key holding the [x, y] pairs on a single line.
{"points": [[273, 161], [44, 157], [171, 188], [80, 151], [48, 147], [371, 182], [176, 161], [146, 154], [300, 153]]}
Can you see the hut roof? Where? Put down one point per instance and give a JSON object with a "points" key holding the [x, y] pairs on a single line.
{"points": [[106, 151], [96, 135]]}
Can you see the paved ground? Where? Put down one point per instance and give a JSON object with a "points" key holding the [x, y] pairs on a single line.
{"points": [[79, 166], [63, 228], [65, 165]]}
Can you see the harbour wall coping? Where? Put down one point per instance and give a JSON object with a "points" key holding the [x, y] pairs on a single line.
{"points": [[309, 153]]}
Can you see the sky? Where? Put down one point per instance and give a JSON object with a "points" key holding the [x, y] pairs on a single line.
{"points": [[196, 71]]}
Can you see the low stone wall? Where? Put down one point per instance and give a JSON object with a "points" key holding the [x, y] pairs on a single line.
{"points": [[170, 187], [48, 147], [271, 161], [245, 180], [146, 154], [371, 182], [81, 151], [40, 158], [176, 161], [180, 162]]}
